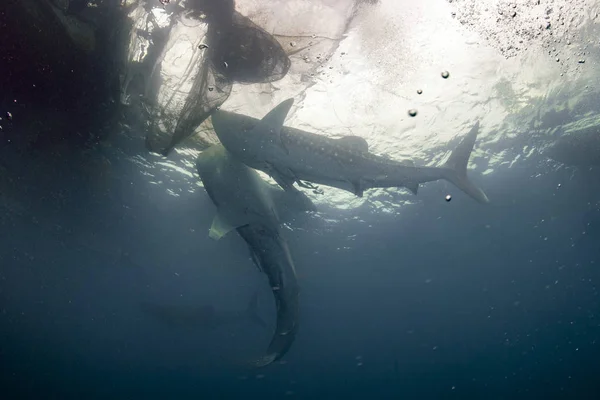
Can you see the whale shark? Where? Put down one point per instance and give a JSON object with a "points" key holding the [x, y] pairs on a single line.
{"points": [[292, 155], [256, 209]]}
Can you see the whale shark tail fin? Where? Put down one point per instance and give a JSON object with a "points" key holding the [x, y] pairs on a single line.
{"points": [[456, 167], [260, 362], [264, 361], [252, 312]]}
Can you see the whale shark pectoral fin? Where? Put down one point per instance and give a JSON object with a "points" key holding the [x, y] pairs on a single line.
{"points": [[283, 180], [273, 121], [413, 187], [357, 143], [358, 188], [219, 228], [293, 201]]}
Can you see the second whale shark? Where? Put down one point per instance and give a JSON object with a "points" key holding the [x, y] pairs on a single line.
{"points": [[247, 203], [291, 156]]}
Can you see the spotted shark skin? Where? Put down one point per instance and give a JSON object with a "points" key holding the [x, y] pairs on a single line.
{"points": [[292, 155]]}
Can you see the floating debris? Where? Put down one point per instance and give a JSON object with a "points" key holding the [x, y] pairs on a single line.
{"points": [[293, 44], [445, 74], [8, 116], [412, 112]]}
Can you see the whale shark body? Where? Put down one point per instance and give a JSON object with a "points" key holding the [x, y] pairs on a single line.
{"points": [[254, 208], [291, 156]]}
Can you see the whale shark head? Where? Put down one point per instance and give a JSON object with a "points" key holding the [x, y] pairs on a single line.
{"points": [[248, 138], [232, 128]]}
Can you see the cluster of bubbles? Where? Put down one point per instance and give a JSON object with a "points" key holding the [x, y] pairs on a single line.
{"points": [[413, 111]]}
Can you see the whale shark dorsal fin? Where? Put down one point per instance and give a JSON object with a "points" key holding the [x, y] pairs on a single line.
{"points": [[219, 228], [413, 187], [273, 121], [276, 117], [357, 143], [358, 188]]}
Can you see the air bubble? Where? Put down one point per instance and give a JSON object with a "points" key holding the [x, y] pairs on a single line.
{"points": [[448, 197], [412, 112], [419, 91], [445, 74]]}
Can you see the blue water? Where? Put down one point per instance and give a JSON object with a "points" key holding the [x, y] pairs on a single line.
{"points": [[444, 300]]}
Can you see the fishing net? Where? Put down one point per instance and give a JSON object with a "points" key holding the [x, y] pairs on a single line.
{"points": [[190, 56]]}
